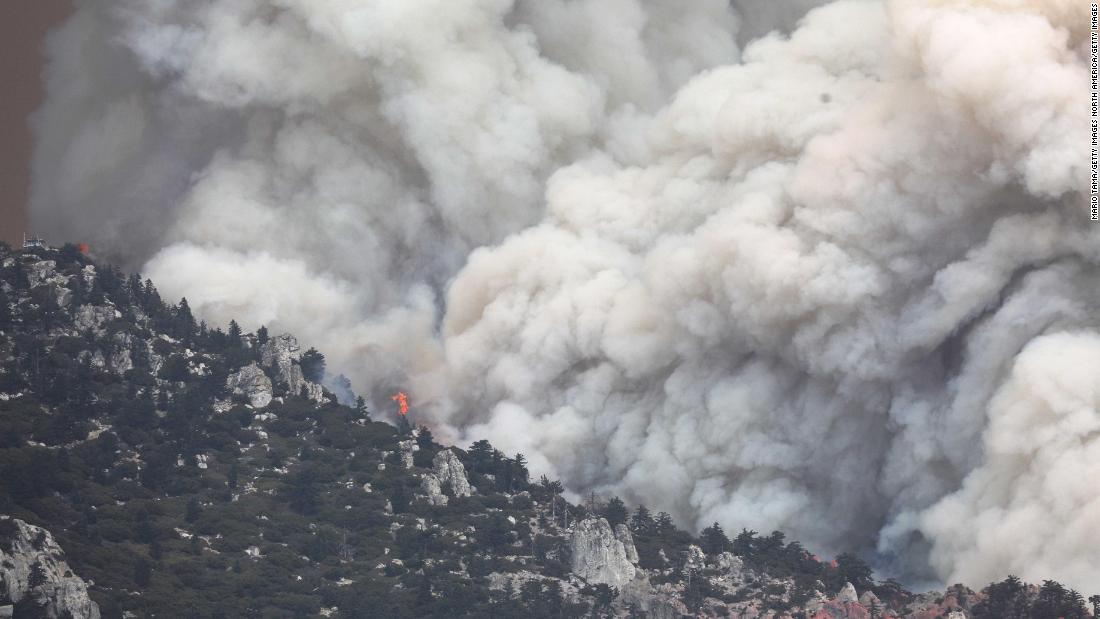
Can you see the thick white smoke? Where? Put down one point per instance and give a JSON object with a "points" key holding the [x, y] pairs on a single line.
{"points": [[837, 282]]}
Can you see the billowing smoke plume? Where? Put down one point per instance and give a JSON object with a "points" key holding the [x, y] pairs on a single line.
{"points": [[837, 279]]}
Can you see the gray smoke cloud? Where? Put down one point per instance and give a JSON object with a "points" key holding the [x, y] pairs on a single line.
{"points": [[825, 269]]}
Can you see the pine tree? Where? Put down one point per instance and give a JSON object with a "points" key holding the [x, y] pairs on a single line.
{"points": [[714, 540], [552, 599], [193, 510], [37, 577], [744, 545], [303, 491], [851, 568], [403, 425], [604, 596], [481, 452], [531, 593], [261, 335], [553, 488], [399, 498], [234, 334], [664, 523], [5, 310], [143, 573], [313, 365], [424, 438], [615, 512], [520, 475], [185, 321], [642, 520], [424, 591]]}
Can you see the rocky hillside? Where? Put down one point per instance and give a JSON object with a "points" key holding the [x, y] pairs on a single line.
{"points": [[190, 471], [37, 581]]}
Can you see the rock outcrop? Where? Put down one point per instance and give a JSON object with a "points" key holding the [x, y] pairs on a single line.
{"points": [[451, 473], [251, 382], [405, 450], [847, 593], [730, 563], [598, 556], [36, 579], [447, 471], [278, 352], [93, 317], [433, 490], [121, 361], [695, 559], [44, 273], [622, 533]]}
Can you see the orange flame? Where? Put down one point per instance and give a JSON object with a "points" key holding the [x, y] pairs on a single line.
{"points": [[402, 402], [82, 248]]}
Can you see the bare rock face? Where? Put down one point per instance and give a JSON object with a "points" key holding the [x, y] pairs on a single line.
{"points": [[251, 381], [730, 563], [447, 470], [93, 317], [695, 559], [847, 593], [598, 556], [33, 566], [278, 352], [430, 485], [622, 533], [45, 272], [451, 473], [406, 449], [868, 598], [121, 362]]}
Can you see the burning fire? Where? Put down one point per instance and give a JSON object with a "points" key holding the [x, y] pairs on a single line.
{"points": [[402, 402]]}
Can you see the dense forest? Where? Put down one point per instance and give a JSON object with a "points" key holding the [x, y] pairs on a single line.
{"points": [[193, 471]]}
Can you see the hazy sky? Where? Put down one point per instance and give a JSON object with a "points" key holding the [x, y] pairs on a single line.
{"points": [[23, 27]]}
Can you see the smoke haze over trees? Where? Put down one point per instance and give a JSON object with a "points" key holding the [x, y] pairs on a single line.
{"points": [[836, 280]]}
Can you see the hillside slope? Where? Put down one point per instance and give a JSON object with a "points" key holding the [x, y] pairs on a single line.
{"points": [[194, 472]]}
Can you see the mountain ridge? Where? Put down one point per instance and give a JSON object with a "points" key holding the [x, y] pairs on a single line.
{"points": [[191, 471]]}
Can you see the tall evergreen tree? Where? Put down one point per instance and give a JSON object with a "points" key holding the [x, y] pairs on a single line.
{"points": [[185, 325], [234, 334], [313, 365], [481, 452], [642, 520], [615, 512], [143, 573], [193, 510], [403, 425], [303, 491], [714, 540], [5, 310], [744, 544]]}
